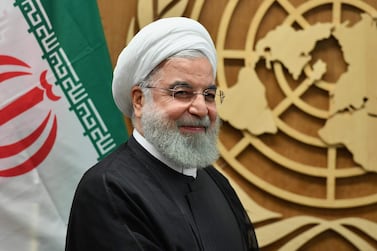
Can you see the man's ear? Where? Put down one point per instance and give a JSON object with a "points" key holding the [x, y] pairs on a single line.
{"points": [[137, 100]]}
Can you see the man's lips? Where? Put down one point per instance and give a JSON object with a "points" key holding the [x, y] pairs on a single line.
{"points": [[192, 129]]}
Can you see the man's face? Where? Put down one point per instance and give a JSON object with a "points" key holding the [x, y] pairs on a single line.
{"points": [[185, 74], [184, 128]]}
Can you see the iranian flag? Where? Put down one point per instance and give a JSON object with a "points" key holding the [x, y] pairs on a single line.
{"points": [[57, 116]]}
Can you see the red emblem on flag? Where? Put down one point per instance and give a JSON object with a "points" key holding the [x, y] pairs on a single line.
{"points": [[15, 108]]}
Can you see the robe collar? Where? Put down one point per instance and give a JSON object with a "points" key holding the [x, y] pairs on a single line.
{"points": [[152, 150]]}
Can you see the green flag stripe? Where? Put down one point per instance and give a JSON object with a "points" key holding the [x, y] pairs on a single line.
{"points": [[68, 80]]}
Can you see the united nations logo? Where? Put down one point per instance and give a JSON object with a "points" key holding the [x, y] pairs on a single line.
{"points": [[300, 115], [291, 54]]}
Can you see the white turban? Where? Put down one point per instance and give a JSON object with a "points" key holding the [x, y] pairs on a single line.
{"points": [[152, 45]]}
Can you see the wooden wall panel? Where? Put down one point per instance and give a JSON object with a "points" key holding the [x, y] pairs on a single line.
{"points": [[314, 194]]}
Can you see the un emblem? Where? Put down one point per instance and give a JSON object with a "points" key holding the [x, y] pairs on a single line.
{"points": [[300, 116]]}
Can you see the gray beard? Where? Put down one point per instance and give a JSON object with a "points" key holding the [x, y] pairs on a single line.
{"points": [[196, 150]]}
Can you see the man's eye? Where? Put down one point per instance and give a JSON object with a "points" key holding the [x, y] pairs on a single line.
{"points": [[210, 95], [183, 94]]}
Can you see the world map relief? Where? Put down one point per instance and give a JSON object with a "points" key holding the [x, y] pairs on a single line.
{"points": [[352, 115]]}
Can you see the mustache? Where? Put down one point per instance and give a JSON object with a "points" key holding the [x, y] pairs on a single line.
{"points": [[194, 121]]}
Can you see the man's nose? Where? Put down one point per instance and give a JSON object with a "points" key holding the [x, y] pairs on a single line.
{"points": [[199, 106]]}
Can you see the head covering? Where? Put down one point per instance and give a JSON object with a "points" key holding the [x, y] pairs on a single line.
{"points": [[152, 45]]}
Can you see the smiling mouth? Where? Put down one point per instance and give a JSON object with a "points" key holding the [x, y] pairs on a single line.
{"points": [[192, 129], [188, 125]]}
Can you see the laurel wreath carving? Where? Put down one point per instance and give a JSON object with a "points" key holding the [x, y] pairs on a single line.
{"points": [[273, 232]]}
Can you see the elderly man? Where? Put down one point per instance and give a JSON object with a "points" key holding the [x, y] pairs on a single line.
{"points": [[159, 191]]}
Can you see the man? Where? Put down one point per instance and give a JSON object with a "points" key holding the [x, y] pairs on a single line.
{"points": [[159, 191]]}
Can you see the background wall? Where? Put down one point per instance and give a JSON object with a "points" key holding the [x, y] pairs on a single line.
{"points": [[299, 115]]}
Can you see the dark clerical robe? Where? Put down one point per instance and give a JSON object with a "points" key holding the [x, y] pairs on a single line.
{"points": [[132, 201]]}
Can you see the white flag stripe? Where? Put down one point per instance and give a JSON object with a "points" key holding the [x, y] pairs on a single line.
{"points": [[51, 131]]}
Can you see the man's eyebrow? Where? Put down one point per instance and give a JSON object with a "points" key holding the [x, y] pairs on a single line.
{"points": [[180, 84], [212, 86]]}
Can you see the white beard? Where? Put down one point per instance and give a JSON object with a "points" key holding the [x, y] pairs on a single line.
{"points": [[196, 150]]}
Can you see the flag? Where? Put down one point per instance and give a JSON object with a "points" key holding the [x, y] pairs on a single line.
{"points": [[57, 116]]}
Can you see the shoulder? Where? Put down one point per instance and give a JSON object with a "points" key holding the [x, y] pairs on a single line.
{"points": [[124, 160], [124, 165]]}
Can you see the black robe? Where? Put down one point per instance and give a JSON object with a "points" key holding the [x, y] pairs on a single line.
{"points": [[132, 201]]}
